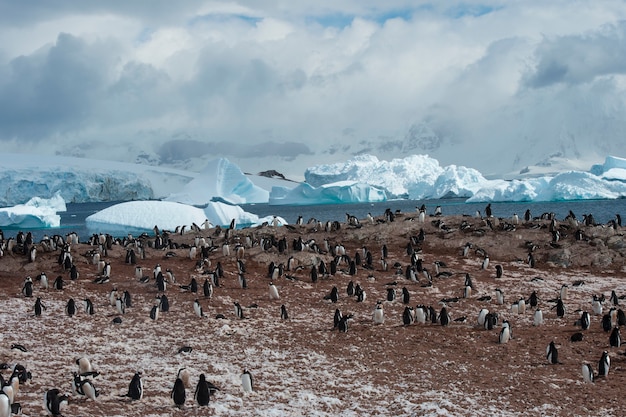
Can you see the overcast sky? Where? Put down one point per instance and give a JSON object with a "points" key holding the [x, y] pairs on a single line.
{"points": [[290, 80]]}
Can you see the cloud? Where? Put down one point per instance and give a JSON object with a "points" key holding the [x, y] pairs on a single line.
{"points": [[254, 79], [580, 58]]}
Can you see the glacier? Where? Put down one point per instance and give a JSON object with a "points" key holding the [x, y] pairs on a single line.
{"points": [[81, 180], [340, 192]]}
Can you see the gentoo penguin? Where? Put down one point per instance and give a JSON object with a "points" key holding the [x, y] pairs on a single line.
{"points": [[560, 308], [406, 296], [604, 364], [197, 308], [343, 323], [273, 292], [350, 289], [84, 366], [154, 312], [88, 306], [113, 296], [499, 296], [333, 296], [391, 294], [39, 307], [563, 292], [584, 320], [178, 392], [485, 263], [54, 402], [481, 316], [488, 210], [615, 340], [207, 288], [70, 307], [596, 307], [521, 306], [5, 405], [43, 279], [505, 334], [27, 289], [444, 317], [202, 394], [407, 316], [378, 316], [283, 312], [613, 299], [243, 283], [498, 271], [337, 318], [135, 388], [238, 310], [538, 318], [587, 371], [120, 305], [164, 303], [246, 381], [58, 283], [552, 354], [606, 323]]}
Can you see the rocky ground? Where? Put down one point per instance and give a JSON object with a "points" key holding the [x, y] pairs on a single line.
{"points": [[302, 366]]}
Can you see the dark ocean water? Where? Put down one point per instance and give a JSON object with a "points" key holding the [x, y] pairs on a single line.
{"points": [[73, 220]]}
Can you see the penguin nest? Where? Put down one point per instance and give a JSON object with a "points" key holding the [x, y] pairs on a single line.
{"points": [[302, 366]]}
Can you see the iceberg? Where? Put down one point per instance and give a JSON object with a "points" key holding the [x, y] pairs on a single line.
{"points": [[138, 216], [220, 179], [36, 213], [340, 192]]}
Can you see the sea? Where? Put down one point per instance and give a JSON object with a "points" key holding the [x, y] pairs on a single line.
{"points": [[73, 220]]}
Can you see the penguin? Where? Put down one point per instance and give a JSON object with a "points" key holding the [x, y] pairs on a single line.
{"points": [[485, 263], [84, 366], [197, 308], [55, 402], [505, 334], [88, 306], [378, 316], [614, 299], [604, 364], [538, 318], [596, 307], [333, 296], [120, 306], [5, 405], [606, 323], [39, 307], [499, 296], [207, 288], [488, 210], [202, 393], [89, 390], [243, 283], [58, 283], [164, 303], [113, 296], [563, 292], [135, 388], [273, 292], [391, 294], [246, 381], [560, 308], [70, 307], [43, 279], [498, 271], [420, 314], [337, 318], [27, 289], [343, 323], [482, 314], [587, 371], [178, 392], [406, 296], [533, 300], [444, 317], [407, 316], [552, 354], [615, 340], [467, 291], [154, 312], [584, 320], [238, 310], [283, 312], [521, 306]]}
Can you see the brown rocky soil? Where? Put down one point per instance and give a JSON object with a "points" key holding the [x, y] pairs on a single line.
{"points": [[301, 366]]}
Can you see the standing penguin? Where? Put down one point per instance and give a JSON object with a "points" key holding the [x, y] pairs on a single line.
{"points": [[54, 402], [178, 392], [552, 354], [135, 388], [202, 393], [238, 310], [498, 271], [197, 308], [604, 364], [154, 313], [27, 289], [70, 307], [378, 316], [408, 316], [587, 371], [615, 340], [88, 306], [406, 296], [39, 307], [584, 320], [246, 381], [273, 292], [283, 312], [538, 318], [444, 317]]}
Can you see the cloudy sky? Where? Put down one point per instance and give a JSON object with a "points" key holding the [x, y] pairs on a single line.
{"points": [[288, 84]]}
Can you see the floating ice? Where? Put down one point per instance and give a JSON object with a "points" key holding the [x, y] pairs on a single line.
{"points": [[36, 213]]}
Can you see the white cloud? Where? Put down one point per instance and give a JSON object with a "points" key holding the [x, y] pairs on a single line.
{"points": [[338, 75]]}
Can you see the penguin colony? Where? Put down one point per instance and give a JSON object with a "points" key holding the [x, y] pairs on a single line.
{"points": [[101, 279]]}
